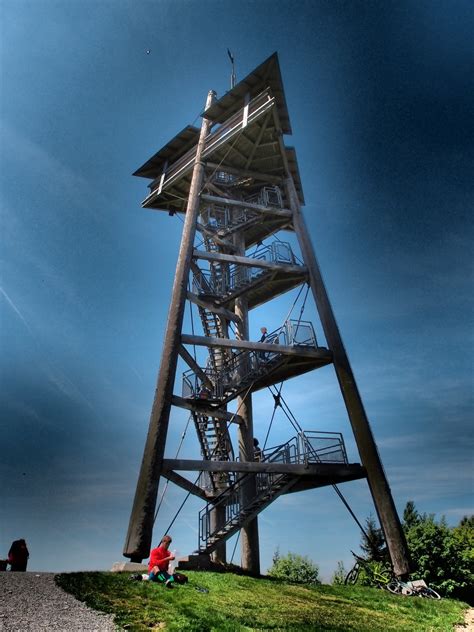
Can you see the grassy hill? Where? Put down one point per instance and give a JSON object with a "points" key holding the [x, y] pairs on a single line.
{"points": [[235, 603]]}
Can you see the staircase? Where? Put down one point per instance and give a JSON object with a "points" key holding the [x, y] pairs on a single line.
{"points": [[213, 437], [269, 486], [225, 221], [212, 327]]}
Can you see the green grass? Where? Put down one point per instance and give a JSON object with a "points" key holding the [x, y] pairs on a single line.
{"points": [[237, 603]]}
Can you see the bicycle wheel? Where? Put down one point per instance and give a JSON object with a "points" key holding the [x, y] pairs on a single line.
{"points": [[397, 587], [394, 587], [352, 576], [428, 593]]}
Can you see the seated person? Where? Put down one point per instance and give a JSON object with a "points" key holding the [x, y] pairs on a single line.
{"points": [[158, 565]]}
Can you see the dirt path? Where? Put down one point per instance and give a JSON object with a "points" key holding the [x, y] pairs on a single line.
{"points": [[31, 602], [468, 622]]}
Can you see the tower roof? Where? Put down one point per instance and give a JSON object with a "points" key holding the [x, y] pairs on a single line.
{"points": [[267, 75], [174, 149], [245, 138]]}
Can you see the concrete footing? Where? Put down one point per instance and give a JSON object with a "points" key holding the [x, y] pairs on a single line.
{"points": [[129, 567], [197, 562]]}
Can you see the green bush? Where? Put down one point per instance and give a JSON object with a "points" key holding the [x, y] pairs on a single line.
{"points": [[441, 555], [294, 568]]}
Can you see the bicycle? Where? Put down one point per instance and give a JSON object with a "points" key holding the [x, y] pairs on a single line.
{"points": [[380, 576], [377, 573], [415, 588]]}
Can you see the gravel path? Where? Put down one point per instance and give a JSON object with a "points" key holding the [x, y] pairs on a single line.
{"points": [[30, 602]]}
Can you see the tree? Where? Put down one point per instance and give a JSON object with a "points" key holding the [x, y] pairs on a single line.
{"points": [[294, 568], [467, 521], [463, 536], [441, 555], [339, 574], [373, 542], [411, 517]]}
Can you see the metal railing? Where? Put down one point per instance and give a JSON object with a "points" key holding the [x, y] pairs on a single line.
{"points": [[223, 279], [267, 196], [309, 446], [306, 447], [222, 134], [224, 218], [247, 366]]}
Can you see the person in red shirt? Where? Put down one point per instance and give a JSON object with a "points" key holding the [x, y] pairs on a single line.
{"points": [[158, 566]]}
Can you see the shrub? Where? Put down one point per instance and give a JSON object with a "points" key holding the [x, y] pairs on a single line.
{"points": [[294, 568]]}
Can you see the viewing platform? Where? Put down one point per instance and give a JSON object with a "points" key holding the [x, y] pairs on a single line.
{"points": [[255, 216], [270, 271], [289, 351], [309, 460]]}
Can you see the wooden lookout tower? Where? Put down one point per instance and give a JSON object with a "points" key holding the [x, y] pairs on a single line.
{"points": [[237, 187]]}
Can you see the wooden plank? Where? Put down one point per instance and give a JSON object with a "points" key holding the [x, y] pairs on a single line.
{"points": [[249, 262], [162, 177], [302, 352], [245, 116]]}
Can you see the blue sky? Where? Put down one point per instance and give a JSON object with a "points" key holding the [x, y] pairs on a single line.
{"points": [[380, 99]]}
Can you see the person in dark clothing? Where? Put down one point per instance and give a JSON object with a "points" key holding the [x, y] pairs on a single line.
{"points": [[262, 356], [18, 556], [257, 450]]}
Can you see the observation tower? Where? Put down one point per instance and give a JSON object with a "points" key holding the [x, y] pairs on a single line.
{"points": [[237, 187]]}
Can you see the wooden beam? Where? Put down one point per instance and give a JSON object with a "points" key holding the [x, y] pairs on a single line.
{"points": [[179, 480], [200, 406], [237, 151], [259, 138], [191, 362], [249, 262], [142, 518], [216, 189], [303, 352], [280, 212], [245, 173], [256, 467], [211, 307], [213, 235]]}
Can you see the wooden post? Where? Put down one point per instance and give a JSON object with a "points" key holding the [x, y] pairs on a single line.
{"points": [[218, 514], [369, 455], [249, 538], [218, 519], [140, 530]]}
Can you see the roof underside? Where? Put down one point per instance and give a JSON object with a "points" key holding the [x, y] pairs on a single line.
{"points": [[172, 151], [245, 139], [267, 75]]}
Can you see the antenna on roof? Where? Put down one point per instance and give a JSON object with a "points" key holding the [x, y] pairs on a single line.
{"points": [[232, 76]]}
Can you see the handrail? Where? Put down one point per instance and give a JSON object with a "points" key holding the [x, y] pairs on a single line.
{"points": [[249, 362], [257, 106], [226, 278], [297, 450]]}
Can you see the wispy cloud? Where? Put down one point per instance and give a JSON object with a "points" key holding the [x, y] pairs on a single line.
{"points": [[56, 176], [15, 309]]}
